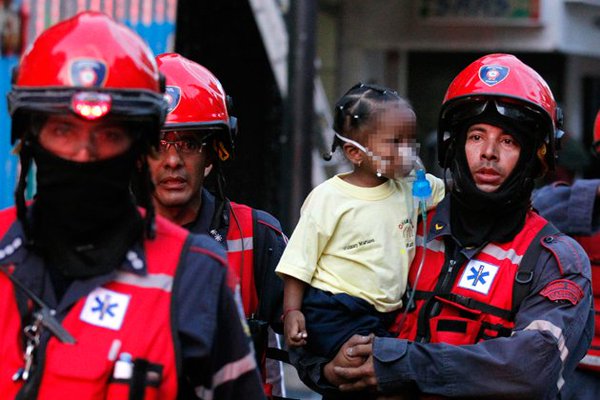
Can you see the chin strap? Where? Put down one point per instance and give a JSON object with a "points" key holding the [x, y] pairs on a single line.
{"points": [[220, 201], [146, 188], [25, 158]]}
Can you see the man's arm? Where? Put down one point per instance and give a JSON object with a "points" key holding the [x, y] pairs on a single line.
{"points": [[319, 374], [235, 373], [217, 355], [269, 243], [572, 209]]}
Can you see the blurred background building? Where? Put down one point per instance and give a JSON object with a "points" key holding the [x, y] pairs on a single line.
{"points": [[285, 62]]}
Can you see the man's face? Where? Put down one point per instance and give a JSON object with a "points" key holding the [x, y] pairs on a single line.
{"points": [[491, 154], [178, 170], [75, 139]]}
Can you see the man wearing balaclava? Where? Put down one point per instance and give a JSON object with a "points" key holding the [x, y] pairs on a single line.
{"points": [[502, 301]]}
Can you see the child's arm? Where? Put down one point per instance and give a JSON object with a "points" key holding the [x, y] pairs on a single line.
{"points": [[294, 327]]}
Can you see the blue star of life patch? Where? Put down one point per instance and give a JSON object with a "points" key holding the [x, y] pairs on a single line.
{"points": [[88, 73], [478, 276], [493, 74], [172, 96], [105, 308]]}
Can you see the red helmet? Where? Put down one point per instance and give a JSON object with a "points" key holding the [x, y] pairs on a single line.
{"points": [[197, 101], [517, 91], [92, 66]]}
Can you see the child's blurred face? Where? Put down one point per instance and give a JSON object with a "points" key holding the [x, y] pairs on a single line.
{"points": [[391, 136]]}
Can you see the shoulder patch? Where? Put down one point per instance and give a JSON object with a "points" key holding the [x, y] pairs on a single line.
{"points": [[563, 290]]}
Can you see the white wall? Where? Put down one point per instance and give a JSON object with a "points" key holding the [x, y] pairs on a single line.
{"points": [[581, 28]]}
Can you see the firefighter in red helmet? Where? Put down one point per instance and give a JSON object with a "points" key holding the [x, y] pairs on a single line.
{"points": [[95, 303], [575, 210], [502, 306], [198, 137]]}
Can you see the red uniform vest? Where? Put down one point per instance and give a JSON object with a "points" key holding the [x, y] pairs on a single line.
{"points": [[86, 369], [591, 245], [479, 304], [240, 254]]}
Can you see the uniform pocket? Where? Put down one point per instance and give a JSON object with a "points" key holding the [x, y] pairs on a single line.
{"points": [[456, 324], [78, 372], [454, 330]]}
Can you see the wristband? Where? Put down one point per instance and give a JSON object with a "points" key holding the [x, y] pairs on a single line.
{"points": [[286, 312]]}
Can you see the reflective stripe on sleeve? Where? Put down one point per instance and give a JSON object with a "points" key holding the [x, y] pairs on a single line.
{"points": [[227, 373], [590, 360], [542, 325]]}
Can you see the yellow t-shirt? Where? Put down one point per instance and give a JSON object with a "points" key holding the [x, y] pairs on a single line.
{"points": [[357, 240]]}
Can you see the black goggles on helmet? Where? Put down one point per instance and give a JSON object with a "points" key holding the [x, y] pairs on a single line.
{"points": [[200, 128], [135, 105], [471, 107]]}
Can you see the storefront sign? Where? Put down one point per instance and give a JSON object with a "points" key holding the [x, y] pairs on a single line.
{"points": [[495, 12]]}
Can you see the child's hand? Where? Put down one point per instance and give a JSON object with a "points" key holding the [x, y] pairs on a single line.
{"points": [[294, 329]]}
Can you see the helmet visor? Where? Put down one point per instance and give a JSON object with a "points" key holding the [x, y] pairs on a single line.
{"points": [[143, 107], [128, 103], [471, 107]]}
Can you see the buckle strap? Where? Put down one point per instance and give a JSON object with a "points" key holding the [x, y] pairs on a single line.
{"points": [[478, 305], [274, 353]]}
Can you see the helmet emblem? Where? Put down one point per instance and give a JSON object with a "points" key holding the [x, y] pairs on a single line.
{"points": [[87, 73], [172, 96], [493, 74]]}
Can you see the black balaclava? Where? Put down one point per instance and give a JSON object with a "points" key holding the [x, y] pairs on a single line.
{"points": [[478, 217], [85, 218]]}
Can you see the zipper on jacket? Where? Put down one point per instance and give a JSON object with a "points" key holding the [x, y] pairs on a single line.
{"points": [[432, 306]]}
